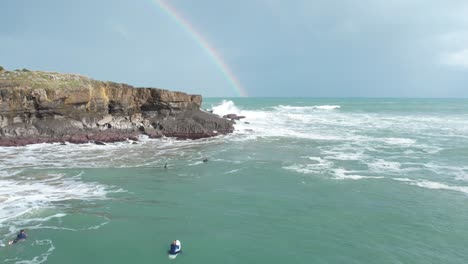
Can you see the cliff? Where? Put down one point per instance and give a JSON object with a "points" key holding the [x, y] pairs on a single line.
{"points": [[40, 107]]}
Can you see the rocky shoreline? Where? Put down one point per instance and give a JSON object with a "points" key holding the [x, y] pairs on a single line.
{"points": [[46, 107]]}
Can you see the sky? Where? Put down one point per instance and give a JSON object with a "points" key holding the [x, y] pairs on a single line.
{"points": [[255, 48]]}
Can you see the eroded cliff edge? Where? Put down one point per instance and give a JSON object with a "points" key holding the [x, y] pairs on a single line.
{"points": [[38, 107]]}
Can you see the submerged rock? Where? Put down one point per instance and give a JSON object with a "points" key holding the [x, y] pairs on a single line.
{"points": [[37, 107], [233, 116]]}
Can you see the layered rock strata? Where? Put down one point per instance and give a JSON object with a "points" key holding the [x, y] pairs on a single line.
{"points": [[38, 107]]}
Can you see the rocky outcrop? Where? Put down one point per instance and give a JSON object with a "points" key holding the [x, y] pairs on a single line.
{"points": [[51, 107]]}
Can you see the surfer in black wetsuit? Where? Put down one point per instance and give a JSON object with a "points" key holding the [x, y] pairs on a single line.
{"points": [[20, 237], [175, 247]]}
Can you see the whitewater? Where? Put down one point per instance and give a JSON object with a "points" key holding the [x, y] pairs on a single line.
{"points": [[300, 179]]}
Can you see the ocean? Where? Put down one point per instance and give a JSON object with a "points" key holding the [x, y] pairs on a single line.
{"points": [[301, 180]]}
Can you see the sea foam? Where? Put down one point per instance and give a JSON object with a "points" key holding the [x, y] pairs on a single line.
{"points": [[26, 197], [342, 174]]}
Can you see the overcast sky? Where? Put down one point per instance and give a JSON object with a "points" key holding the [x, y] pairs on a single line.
{"points": [[315, 48]]}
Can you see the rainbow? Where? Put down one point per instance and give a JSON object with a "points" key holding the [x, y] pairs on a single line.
{"points": [[205, 45]]}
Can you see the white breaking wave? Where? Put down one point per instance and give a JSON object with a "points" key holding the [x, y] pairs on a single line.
{"points": [[327, 107], [319, 165], [344, 155], [377, 132], [228, 107], [399, 141], [225, 108], [279, 121], [433, 185], [312, 122], [20, 198], [302, 108], [354, 145], [325, 168]]}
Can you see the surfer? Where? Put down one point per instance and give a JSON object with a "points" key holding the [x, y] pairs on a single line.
{"points": [[20, 237], [175, 247]]}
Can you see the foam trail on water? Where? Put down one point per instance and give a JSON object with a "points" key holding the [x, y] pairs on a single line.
{"points": [[433, 185], [342, 174]]}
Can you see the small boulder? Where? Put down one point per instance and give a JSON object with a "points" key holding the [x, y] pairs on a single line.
{"points": [[233, 116], [105, 120]]}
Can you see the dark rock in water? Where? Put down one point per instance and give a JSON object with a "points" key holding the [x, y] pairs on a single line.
{"points": [[205, 160], [44, 107], [247, 123], [134, 143], [233, 116], [99, 143]]}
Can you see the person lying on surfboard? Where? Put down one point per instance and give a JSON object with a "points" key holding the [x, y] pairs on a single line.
{"points": [[175, 247], [20, 237]]}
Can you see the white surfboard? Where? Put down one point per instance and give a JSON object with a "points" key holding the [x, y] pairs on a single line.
{"points": [[170, 256]]}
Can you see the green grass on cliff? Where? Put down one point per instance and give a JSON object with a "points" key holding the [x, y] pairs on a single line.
{"points": [[45, 80]]}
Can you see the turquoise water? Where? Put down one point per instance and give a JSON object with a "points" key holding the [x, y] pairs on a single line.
{"points": [[301, 180]]}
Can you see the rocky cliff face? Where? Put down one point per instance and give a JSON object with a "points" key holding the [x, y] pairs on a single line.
{"points": [[50, 107]]}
